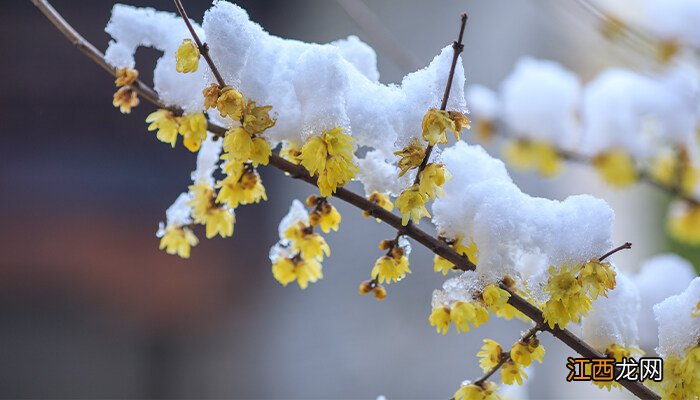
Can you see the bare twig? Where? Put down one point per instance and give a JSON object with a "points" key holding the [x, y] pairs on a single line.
{"points": [[298, 172], [627, 245]]}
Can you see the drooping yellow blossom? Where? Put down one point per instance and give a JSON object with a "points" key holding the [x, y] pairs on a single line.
{"points": [[257, 118], [311, 245], [684, 223], [202, 201], [194, 129], [567, 299], [597, 278], [432, 178], [669, 170], [512, 373], [464, 313], [244, 187], [440, 319], [435, 125], [470, 391], [178, 240], [286, 270], [230, 103], [126, 76], [411, 203], [490, 355], [410, 156], [442, 265], [524, 353], [330, 156], [391, 268], [211, 95], [290, 151], [125, 99], [509, 312], [382, 200], [529, 155], [187, 57], [494, 296], [241, 146], [165, 122], [378, 290], [461, 122], [219, 221], [616, 167], [324, 214]]}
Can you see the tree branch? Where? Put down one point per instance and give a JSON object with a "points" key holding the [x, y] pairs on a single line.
{"points": [[298, 172]]}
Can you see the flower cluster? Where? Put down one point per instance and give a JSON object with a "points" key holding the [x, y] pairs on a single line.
{"points": [[571, 290], [125, 98], [470, 391], [330, 157], [463, 313], [393, 266], [192, 127], [470, 251], [300, 251]]}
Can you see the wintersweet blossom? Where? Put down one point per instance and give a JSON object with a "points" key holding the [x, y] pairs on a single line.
{"points": [[178, 240], [411, 156], [242, 186], [684, 222], [324, 214], [126, 76], [524, 353], [435, 125], [187, 57], [230, 103], [193, 127], [166, 123], [125, 99], [211, 96], [311, 245], [444, 266], [616, 167], [512, 372], [330, 156], [382, 200], [286, 270], [485, 391], [490, 355], [533, 155], [432, 179], [411, 203]]}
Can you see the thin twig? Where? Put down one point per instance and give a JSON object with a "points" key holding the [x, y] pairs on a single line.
{"points": [[298, 172], [506, 355], [203, 48], [627, 245]]}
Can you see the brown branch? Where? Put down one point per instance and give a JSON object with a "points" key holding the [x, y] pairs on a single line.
{"points": [[203, 48], [627, 245], [298, 172]]}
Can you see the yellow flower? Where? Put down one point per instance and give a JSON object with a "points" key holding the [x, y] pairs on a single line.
{"points": [[490, 355], [257, 119], [390, 269], [432, 178], [597, 278], [194, 129], [202, 201], [671, 170], [464, 313], [567, 299], [165, 122], [484, 130], [378, 290], [411, 203], [440, 319], [435, 124], [529, 155], [286, 270], [509, 312], [330, 157], [290, 152], [411, 156], [494, 296], [230, 103], [326, 216], [512, 372], [310, 245], [470, 391], [242, 188], [178, 240], [238, 143], [442, 265], [211, 95], [461, 122], [126, 76], [696, 311], [523, 353], [125, 99], [219, 221], [382, 200], [616, 167], [187, 57], [684, 223]]}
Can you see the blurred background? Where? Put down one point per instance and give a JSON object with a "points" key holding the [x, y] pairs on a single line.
{"points": [[89, 307]]}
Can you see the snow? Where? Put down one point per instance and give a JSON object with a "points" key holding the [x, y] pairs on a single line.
{"points": [[483, 102], [482, 202], [678, 329], [659, 277], [613, 319]]}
